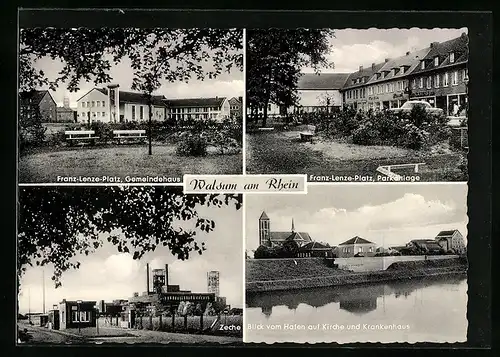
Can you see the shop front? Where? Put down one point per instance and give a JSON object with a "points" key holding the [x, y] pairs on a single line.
{"points": [[452, 99]]}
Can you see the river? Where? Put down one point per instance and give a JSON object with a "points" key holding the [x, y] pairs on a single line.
{"points": [[429, 309]]}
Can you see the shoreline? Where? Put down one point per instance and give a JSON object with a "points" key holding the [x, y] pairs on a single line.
{"points": [[352, 278]]}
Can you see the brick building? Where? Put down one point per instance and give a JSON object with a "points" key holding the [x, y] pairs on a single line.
{"points": [[40, 100], [74, 314]]}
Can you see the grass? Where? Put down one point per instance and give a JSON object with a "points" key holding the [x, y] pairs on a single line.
{"points": [[281, 152], [46, 164]]}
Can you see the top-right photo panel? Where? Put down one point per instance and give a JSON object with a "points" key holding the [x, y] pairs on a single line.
{"points": [[358, 105]]}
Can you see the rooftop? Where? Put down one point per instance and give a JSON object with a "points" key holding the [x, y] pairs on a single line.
{"points": [[314, 81], [196, 102], [356, 240]]}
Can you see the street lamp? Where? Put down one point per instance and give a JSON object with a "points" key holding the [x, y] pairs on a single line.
{"points": [[79, 317]]}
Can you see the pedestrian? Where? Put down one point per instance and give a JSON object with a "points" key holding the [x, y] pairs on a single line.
{"points": [[455, 109]]}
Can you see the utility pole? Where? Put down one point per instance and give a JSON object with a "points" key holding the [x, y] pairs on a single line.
{"points": [[43, 291]]}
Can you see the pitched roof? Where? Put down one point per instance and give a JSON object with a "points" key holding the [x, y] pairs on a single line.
{"points": [[196, 102], [356, 240], [282, 236], [365, 72], [430, 243], [447, 233], [235, 100], [263, 215], [35, 96], [315, 245], [442, 50], [398, 247], [410, 60], [136, 97], [322, 81]]}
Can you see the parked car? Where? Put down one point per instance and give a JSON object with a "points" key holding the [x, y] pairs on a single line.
{"points": [[408, 106]]}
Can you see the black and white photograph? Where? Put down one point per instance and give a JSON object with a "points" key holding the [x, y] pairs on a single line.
{"points": [[130, 264], [357, 263], [129, 105], [358, 105]]}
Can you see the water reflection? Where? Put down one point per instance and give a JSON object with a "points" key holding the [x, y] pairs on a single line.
{"points": [[433, 308]]}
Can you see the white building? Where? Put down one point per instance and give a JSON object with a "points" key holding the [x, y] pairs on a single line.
{"points": [[318, 91], [217, 108]]}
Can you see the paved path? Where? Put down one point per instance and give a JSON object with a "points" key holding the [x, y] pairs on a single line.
{"points": [[43, 335]]}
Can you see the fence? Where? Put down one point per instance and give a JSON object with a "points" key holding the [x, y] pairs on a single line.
{"points": [[182, 324]]}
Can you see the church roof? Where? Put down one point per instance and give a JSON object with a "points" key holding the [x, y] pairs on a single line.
{"points": [[315, 246], [282, 236], [356, 240], [263, 215]]}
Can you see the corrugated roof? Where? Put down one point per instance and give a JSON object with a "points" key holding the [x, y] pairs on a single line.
{"points": [[196, 102], [356, 240], [313, 81]]}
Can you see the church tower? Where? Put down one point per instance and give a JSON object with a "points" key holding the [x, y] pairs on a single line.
{"points": [[264, 230]]}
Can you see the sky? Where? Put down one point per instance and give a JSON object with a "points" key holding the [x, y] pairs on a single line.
{"points": [[107, 274], [225, 85], [351, 48], [388, 215]]}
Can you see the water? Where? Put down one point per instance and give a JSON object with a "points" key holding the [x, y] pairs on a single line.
{"points": [[421, 310]]}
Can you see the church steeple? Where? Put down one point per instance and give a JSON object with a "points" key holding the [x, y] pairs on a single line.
{"points": [[293, 227], [264, 229]]}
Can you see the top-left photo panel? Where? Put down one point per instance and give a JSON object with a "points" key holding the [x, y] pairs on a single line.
{"points": [[129, 105]]}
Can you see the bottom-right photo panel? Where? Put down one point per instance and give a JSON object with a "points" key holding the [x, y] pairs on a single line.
{"points": [[357, 263]]}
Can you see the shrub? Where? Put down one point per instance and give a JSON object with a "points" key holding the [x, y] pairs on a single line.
{"points": [[413, 137], [57, 138], [366, 134], [103, 131], [192, 144]]}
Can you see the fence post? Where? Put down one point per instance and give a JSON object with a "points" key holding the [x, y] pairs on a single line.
{"points": [[201, 322]]}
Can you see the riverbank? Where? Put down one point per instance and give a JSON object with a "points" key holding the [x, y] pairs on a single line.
{"points": [[281, 274]]}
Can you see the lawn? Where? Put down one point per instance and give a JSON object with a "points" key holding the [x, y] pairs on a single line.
{"points": [[45, 164], [282, 152]]}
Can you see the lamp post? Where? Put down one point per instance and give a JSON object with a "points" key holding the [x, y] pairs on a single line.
{"points": [[78, 316], [466, 82]]}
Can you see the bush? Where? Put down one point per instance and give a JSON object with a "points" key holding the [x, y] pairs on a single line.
{"points": [[366, 134], [413, 137], [103, 130], [192, 144]]}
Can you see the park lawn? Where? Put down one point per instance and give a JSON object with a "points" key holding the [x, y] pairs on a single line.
{"points": [[124, 160], [282, 152]]}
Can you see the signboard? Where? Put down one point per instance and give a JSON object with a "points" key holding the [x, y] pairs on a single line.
{"points": [[427, 93], [398, 95], [373, 98]]}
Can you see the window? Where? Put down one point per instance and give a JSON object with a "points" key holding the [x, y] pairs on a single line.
{"points": [[452, 57], [141, 112], [268, 107], [436, 81], [436, 61], [402, 69], [429, 82], [133, 112], [421, 82], [93, 104], [84, 316], [83, 104], [360, 249], [393, 72], [414, 85], [370, 249], [103, 114], [103, 103], [454, 78], [94, 114], [422, 65], [98, 103], [88, 104], [445, 79], [98, 114]]}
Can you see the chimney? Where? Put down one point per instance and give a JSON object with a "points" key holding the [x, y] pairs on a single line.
{"points": [[407, 53], [147, 278], [166, 277], [386, 60], [373, 67], [434, 44], [360, 68]]}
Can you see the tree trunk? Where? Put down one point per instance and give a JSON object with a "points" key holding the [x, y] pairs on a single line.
{"points": [[264, 114], [150, 124]]}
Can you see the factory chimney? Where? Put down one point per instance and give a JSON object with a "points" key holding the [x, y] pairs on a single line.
{"points": [[147, 278]]}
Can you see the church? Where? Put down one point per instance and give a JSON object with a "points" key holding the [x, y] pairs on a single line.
{"points": [[272, 239]]}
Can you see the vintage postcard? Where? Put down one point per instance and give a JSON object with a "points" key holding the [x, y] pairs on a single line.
{"points": [[129, 264], [129, 105], [357, 263], [358, 105]]}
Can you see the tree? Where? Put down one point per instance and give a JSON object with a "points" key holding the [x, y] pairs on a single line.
{"points": [[56, 224], [290, 248], [155, 55], [275, 58]]}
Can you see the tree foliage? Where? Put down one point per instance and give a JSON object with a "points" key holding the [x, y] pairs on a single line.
{"points": [[57, 224], [275, 58]]}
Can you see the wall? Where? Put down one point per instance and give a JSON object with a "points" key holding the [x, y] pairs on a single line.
{"points": [[93, 95], [48, 108], [312, 98], [363, 264]]}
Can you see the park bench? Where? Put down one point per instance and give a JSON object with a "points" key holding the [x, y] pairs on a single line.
{"points": [[387, 169], [129, 135], [308, 133], [74, 136]]}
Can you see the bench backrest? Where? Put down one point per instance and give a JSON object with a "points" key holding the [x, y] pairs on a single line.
{"points": [[79, 132], [129, 131]]}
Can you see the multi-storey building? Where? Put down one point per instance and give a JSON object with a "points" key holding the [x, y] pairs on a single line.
{"points": [[441, 78], [41, 101], [388, 86], [217, 108], [354, 91], [320, 91], [236, 107]]}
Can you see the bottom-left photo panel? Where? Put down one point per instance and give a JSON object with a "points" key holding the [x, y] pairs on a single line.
{"points": [[128, 264]]}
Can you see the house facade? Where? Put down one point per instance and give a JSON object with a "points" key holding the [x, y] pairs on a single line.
{"points": [[441, 76], [451, 240], [236, 107], [354, 92], [425, 246], [320, 92], [356, 246], [217, 108], [316, 250], [74, 314], [269, 238], [40, 100], [66, 115], [111, 105]]}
